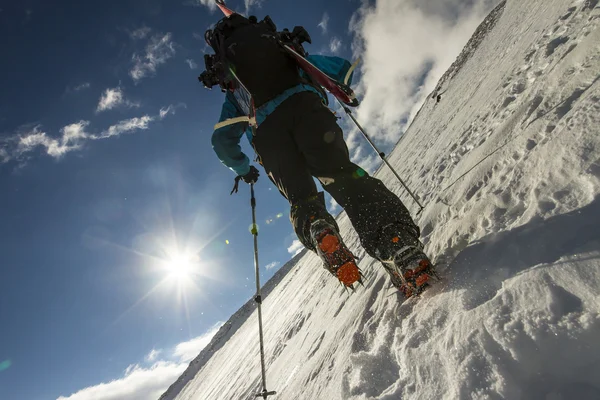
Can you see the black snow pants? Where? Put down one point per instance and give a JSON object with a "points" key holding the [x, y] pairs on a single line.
{"points": [[302, 139]]}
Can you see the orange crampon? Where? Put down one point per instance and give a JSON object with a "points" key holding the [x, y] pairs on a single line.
{"points": [[416, 280], [340, 260]]}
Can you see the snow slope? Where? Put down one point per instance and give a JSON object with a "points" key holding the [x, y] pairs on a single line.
{"points": [[508, 164]]}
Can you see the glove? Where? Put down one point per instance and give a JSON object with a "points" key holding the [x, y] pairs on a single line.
{"points": [[252, 176]]}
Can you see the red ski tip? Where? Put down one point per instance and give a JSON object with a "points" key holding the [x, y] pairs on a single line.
{"points": [[227, 11]]}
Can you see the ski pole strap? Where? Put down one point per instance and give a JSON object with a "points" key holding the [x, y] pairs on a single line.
{"points": [[237, 120], [236, 185], [350, 71]]}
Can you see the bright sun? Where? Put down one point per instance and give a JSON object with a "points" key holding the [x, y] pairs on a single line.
{"points": [[180, 266]]}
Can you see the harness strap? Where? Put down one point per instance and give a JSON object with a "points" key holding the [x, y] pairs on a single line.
{"points": [[237, 120]]}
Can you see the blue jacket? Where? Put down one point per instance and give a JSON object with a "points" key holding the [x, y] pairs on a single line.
{"points": [[226, 140]]}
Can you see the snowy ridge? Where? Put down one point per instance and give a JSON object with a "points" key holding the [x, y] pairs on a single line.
{"points": [[508, 165], [480, 33]]}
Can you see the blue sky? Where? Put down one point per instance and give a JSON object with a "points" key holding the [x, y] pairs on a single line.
{"points": [[107, 175], [85, 219]]}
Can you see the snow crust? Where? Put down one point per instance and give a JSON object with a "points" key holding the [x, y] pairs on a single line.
{"points": [[508, 164]]}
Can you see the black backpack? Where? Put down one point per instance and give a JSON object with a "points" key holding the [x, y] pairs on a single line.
{"points": [[251, 50]]}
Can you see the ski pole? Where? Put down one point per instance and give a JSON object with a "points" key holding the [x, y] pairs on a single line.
{"points": [[381, 155], [264, 394]]}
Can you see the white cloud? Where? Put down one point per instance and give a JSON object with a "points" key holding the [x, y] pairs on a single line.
{"points": [[138, 383], [4, 156], [82, 86], [112, 98], [324, 22], [335, 45], [158, 50], [74, 132], [170, 109], [295, 248], [252, 3], [370, 162], [140, 33], [272, 265], [72, 137], [142, 383], [189, 350], [166, 111], [406, 47], [126, 126], [78, 88], [152, 355], [197, 3], [191, 63]]}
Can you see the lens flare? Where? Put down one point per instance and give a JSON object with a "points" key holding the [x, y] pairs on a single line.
{"points": [[4, 365]]}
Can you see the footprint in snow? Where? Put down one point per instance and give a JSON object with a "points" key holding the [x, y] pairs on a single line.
{"points": [[567, 104], [508, 100], [590, 4], [554, 44], [518, 87], [568, 14], [529, 56]]}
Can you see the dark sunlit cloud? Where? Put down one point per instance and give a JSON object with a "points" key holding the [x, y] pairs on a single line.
{"points": [[405, 47]]}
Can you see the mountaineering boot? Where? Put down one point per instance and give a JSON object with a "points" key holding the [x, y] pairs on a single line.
{"points": [[412, 271], [336, 257], [401, 254]]}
